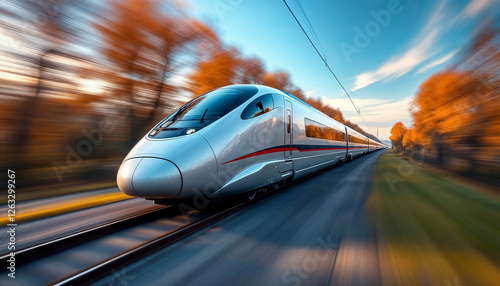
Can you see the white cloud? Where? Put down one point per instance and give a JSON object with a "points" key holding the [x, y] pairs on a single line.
{"points": [[378, 113], [345, 105], [438, 62], [476, 6], [421, 50], [374, 110]]}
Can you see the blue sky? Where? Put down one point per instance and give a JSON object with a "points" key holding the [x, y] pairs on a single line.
{"points": [[381, 50]]}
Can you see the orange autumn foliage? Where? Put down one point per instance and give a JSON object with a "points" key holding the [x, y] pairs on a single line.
{"points": [[397, 133], [456, 112]]}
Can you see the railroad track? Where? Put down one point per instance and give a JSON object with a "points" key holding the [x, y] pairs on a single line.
{"points": [[103, 249], [105, 268], [29, 254]]}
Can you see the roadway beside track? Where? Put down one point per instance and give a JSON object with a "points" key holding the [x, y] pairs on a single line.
{"points": [[315, 231]]}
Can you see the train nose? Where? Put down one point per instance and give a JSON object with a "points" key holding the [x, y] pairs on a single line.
{"points": [[150, 178]]}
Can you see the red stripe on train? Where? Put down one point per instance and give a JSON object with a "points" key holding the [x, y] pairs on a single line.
{"points": [[263, 152], [282, 149]]}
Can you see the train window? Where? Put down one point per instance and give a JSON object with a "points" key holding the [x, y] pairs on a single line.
{"points": [[258, 107], [355, 139], [318, 130]]}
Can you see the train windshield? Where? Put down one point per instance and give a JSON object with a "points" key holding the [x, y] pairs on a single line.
{"points": [[212, 105], [202, 111]]}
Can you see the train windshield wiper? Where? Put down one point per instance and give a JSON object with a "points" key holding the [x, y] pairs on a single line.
{"points": [[205, 113], [179, 112]]}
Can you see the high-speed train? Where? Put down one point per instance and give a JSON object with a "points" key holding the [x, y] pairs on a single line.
{"points": [[237, 139]]}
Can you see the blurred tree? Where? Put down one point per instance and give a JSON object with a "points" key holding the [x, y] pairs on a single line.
{"points": [[225, 67], [282, 80], [51, 28], [145, 44], [218, 70], [410, 140], [456, 110], [250, 71], [397, 133], [437, 103], [481, 60], [326, 109]]}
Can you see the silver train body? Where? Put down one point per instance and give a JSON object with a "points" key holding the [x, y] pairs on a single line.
{"points": [[235, 140]]}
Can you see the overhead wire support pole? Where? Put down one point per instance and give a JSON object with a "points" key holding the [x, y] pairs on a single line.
{"points": [[325, 62]]}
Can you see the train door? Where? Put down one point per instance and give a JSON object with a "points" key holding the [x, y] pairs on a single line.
{"points": [[288, 129]]}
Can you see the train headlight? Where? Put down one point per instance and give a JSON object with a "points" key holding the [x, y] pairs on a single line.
{"points": [[190, 131]]}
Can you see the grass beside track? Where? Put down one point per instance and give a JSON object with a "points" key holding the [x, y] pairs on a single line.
{"points": [[433, 229]]}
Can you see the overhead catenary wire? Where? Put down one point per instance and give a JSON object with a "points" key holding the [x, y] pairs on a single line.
{"points": [[362, 118], [309, 25], [323, 58]]}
